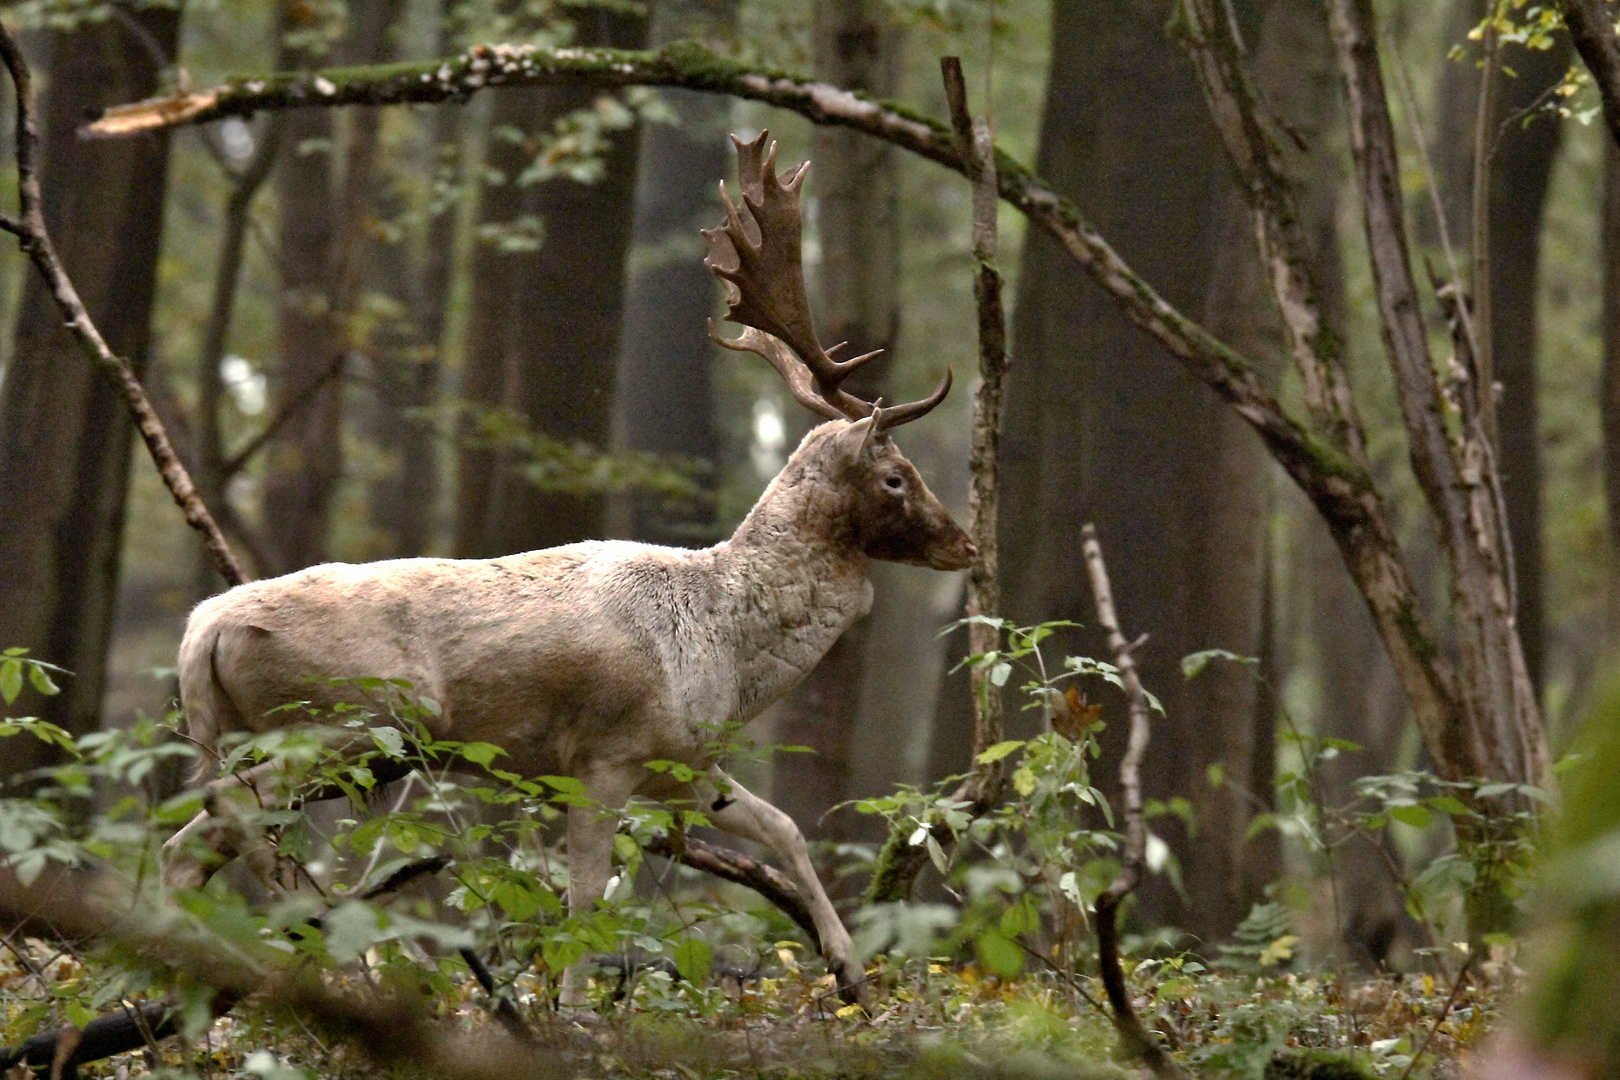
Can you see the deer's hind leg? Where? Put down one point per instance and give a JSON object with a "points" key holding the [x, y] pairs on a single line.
{"points": [[226, 828]]}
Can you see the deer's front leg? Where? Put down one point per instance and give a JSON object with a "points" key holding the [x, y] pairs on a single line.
{"points": [[590, 861], [742, 813]]}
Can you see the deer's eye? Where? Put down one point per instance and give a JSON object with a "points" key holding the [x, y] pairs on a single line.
{"points": [[893, 483]]}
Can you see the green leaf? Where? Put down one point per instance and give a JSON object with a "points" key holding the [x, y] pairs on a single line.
{"points": [[937, 854], [78, 1015], [999, 954], [11, 679], [1415, 816], [563, 950], [1024, 782], [1450, 804], [389, 740], [351, 929], [1194, 663], [482, 753], [999, 751], [694, 957], [42, 680]]}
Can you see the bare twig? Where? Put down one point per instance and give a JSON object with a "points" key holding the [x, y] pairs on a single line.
{"points": [[288, 411], [33, 237], [1138, 1040], [227, 276], [1484, 124], [1489, 721], [1451, 1003], [505, 1011]]}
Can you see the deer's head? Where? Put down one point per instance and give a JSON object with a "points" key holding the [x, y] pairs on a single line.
{"points": [[881, 501]]}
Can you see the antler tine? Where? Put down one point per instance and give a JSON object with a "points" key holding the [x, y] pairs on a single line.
{"points": [[795, 374], [904, 414], [756, 253]]}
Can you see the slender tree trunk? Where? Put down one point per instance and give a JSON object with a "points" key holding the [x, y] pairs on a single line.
{"points": [[854, 184], [665, 392], [305, 461], [64, 432], [1521, 168], [544, 335]]}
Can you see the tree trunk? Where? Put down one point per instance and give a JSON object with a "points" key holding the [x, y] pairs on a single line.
{"points": [[1609, 380], [402, 353], [854, 184], [305, 460], [64, 431], [544, 330], [1103, 426], [1521, 169], [665, 391]]}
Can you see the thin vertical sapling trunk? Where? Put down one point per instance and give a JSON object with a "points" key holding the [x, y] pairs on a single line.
{"points": [[900, 860], [1139, 1042]]}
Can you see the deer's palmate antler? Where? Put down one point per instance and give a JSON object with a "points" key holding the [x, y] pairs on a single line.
{"points": [[755, 252]]}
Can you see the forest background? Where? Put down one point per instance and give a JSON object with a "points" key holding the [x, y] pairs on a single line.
{"points": [[479, 328]]}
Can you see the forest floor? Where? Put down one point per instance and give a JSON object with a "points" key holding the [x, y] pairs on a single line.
{"points": [[932, 1020]]}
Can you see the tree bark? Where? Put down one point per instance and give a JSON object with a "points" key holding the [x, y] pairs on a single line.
{"points": [[854, 295], [1525, 149], [665, 387], [1102, 426], [1479, 718], [305, 460], [544, 330], [64, 430], [402, 351], [1609, 380]]}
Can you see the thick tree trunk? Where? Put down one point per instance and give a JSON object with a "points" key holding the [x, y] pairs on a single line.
{"points": [[544, 333], [855, 187], [1102, 425], [305, 460], [665, 391], [64, 431]]}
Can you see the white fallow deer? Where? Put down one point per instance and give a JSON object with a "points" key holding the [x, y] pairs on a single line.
{"points": [[592, 659]]}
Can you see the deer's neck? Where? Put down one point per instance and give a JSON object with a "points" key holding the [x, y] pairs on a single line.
{"points": [[797, 585]]}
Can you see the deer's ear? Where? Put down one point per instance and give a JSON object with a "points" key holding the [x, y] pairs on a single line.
{"points": [[854, 439]]}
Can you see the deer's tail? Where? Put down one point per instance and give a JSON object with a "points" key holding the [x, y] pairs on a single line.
{"points": [[208, 707]]}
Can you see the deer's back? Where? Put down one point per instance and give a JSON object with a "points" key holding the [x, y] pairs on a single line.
{"points": [[597, 650]]}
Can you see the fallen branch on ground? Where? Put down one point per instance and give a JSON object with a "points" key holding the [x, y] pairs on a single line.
{"points": [[736, 867]]}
